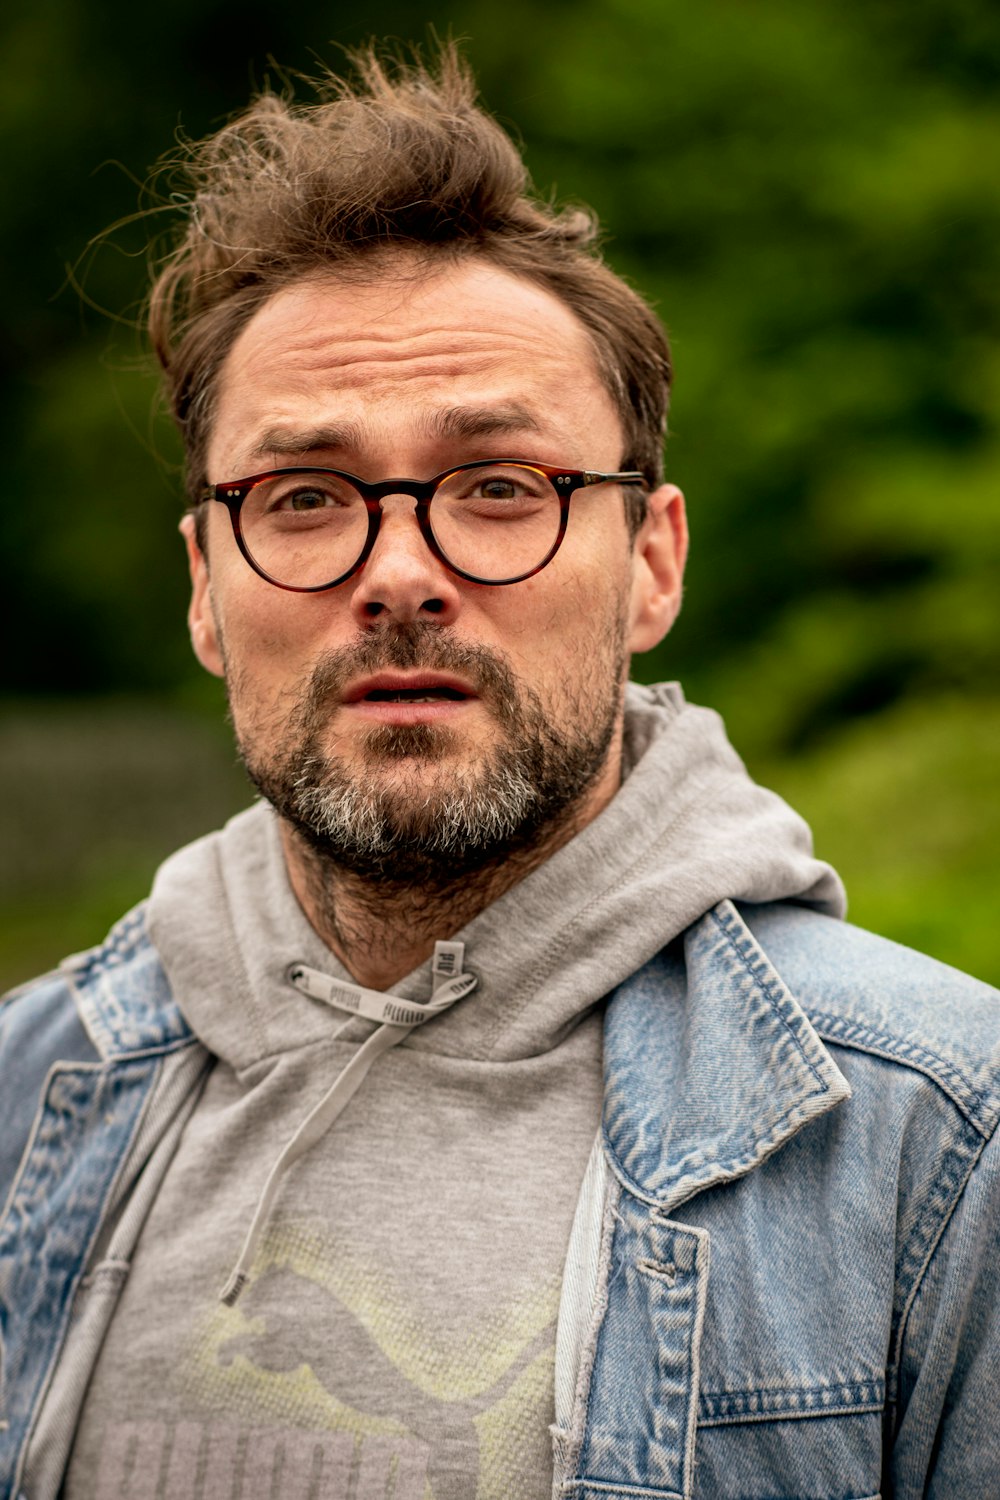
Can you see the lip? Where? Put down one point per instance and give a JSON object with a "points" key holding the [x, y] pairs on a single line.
{"points": [[448, 695]]}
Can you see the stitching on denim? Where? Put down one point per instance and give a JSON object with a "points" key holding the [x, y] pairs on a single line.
{"points": [[717, 1408], [700, 1274], [742, 941], [947, 1075], [702, 1267], [585, 1487], [957, 1167], [29, 1146]]}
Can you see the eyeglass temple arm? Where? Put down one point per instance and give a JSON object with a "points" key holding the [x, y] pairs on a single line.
{"points": [[631, 476]]}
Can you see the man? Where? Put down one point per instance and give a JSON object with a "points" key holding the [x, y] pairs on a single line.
{"points": [[500, 1107]]}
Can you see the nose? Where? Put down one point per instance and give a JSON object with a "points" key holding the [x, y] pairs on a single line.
{"points": [[402, 580]]}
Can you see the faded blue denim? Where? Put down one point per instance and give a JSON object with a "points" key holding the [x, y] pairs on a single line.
{"points": [[797, 1296]]}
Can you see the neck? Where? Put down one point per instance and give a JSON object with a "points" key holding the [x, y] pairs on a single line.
{"points": [[381, 931]]}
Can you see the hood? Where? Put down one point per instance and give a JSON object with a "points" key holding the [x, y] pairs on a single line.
{"points": [[687, 829]]}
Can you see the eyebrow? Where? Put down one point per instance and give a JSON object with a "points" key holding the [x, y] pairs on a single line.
{"points": [[463, 422], [483, 421], [297, 441]]}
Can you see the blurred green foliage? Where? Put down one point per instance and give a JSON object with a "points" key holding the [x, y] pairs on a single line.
{"points": [[809, 194]]}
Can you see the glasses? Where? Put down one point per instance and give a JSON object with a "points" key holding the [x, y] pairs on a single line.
{"points": [[492, 522]]}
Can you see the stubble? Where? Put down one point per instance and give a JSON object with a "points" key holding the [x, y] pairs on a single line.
{"points": [[388, 827]]}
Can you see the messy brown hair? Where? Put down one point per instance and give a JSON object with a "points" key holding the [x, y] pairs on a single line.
{"points": [[401, 158]]}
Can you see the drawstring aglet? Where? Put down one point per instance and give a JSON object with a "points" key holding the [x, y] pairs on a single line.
{"points": [[230, 1294]]}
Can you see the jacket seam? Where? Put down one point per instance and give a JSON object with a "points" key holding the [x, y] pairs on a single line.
{"points": [[860, 1037], [36, 1120], [584, 1487], [910, 1278], [764, 1404]]}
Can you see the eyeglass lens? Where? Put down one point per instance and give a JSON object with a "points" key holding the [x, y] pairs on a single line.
{"points": [[494, 523]]}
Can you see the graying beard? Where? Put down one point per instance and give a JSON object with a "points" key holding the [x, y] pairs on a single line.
{"points": [[480, 818], [473, 818]]}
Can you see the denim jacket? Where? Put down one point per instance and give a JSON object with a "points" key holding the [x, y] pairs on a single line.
{"points": [[784, 1286]]}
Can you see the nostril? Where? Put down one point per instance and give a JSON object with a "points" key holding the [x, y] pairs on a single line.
{"points": [[433, 606], [373, 609]]}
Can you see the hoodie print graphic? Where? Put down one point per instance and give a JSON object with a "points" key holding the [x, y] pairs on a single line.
{"points": [[278, 1374]]}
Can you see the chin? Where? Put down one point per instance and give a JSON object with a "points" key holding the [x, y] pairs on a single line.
{"points": [[419, 744]]}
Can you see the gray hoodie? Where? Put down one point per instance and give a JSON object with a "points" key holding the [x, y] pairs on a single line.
{"points": [[397, 1333]]}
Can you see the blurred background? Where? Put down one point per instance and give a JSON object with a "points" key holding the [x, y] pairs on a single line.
{"points": [[811, 196]]}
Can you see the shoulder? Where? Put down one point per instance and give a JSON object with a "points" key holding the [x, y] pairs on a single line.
{"points": [[865, 993]]}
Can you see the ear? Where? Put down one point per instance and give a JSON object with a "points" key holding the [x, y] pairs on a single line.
{"points": [[201, 617], [659, 554]]}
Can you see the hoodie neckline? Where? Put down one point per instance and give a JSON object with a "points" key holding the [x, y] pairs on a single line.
{"points": [[687, 829]]}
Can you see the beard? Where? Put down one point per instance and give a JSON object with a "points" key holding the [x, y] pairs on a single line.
{"points": [[383, 824]]}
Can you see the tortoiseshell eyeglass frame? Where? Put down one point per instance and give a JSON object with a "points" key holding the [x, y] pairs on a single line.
{"points": [[565, 483]]}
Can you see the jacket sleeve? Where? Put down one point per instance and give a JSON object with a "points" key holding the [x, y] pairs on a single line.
{"points": [[947, 1442]]}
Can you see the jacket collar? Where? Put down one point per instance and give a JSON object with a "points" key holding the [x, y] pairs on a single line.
{"points": [[123, 994], [710, 1064]]}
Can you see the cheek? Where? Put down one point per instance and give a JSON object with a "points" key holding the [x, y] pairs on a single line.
{"points": [[265, 642], [571, 636], [268, 628], [534, 625]]}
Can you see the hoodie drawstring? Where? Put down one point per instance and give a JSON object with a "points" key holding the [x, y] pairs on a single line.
{"points": [[398, 1018]]}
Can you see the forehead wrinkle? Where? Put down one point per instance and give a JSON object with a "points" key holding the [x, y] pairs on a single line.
{"points": [[351, 343], [323, 381]]}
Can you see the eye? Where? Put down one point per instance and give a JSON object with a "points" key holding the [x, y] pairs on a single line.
{"points": [[499, 487], [305, 499], [510, 483], [502, 486], [310, 501], [304, 495]]}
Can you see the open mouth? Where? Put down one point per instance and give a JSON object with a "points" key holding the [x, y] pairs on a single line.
{"points": [[415, 695]]}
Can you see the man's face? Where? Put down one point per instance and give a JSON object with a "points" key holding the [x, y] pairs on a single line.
{"points": [[408, 721]]}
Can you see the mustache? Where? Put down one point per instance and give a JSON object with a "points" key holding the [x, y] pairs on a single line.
{"points": [[409, 645]]}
